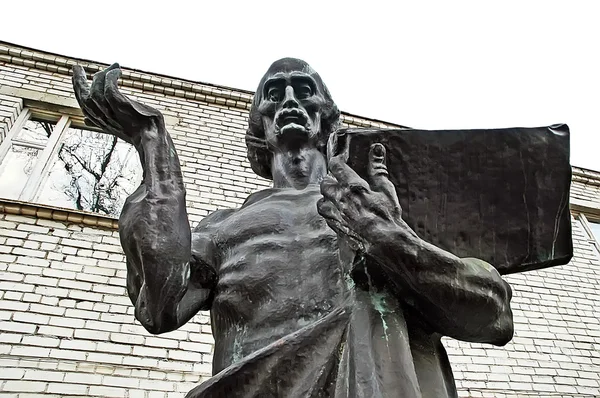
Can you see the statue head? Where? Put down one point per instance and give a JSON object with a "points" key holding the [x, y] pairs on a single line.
{"points": [[291, 106]]}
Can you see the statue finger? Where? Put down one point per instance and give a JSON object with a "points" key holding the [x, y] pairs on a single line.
{"points": [[93, 120], [101, 109], [331, 190], [103, 118], [342, 229], [145, 110], [345, 174], [97, 89], [353, 240], [379, 176], [119, 103], [334, 220], [113, 66], [377, 168], [328, 210], [80, 85], [331, 214], [82, 94], [87, 121], [92, 115]]}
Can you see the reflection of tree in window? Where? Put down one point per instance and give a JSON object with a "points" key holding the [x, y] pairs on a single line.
{"points": [[94, 172], [28, 156], [15, 169], [36, 131]]}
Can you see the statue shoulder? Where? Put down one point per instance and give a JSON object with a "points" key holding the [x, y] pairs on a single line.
{"points": [[258, 196], [212, 221], [204, 247]]}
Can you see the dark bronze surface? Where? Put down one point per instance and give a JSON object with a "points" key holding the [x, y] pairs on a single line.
{"points": [[500, 195], [318, 287]]}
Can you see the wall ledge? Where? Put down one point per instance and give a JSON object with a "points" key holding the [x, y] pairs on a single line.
{"points": [[88, 219], [153, 82]]}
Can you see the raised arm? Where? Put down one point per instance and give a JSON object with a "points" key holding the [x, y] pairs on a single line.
{"points": [[459, 297], [165, 283]]}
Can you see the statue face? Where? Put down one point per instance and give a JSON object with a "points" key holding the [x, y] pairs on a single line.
{"points": [[291, 108]]}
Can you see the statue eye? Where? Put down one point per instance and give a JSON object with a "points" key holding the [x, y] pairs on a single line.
{"points": [[274, 94], [304, 91]]}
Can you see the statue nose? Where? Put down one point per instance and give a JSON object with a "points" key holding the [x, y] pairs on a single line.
{"points": [[290, 101]]}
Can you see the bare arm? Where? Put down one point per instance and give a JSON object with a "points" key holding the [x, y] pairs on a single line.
{"points": [[164, 283], [462, 298]]}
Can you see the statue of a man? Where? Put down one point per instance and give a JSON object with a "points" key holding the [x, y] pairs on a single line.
{"points": [[287, 318]]}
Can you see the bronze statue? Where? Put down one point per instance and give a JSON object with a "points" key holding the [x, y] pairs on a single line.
{"points": [[288, 318]]}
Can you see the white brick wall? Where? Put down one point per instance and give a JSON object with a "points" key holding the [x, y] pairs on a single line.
{"points": [[10, 107], [556, 348], [587, 188], [67, 326]]}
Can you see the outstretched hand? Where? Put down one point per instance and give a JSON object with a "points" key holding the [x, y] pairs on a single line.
{"points": [[104, 106], [356, 208]]}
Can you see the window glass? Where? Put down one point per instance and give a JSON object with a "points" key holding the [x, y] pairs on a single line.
{"points": [[92, 171], [595, 228], [36, 131], [15, 168]]}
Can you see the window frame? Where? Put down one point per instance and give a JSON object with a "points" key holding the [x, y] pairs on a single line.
{"points": [[585, 223], [63, 121], [33, 184]]}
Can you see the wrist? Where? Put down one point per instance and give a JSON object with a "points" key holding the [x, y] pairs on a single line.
{"points": [[395, 240]]}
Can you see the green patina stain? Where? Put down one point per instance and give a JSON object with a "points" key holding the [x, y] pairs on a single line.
{"points": [[378, 301], [350, 282], [379, 304]]}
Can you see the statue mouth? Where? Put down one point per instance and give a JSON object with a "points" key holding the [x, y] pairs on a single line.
{"points": [[291, 119]]}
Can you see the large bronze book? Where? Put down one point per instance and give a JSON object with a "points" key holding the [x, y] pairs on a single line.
{"points": [[501, 195]]}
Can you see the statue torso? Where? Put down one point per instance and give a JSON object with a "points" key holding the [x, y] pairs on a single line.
{"points": [[278, 271]]}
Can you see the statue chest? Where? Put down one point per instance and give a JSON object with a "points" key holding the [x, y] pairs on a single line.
{"points": [[278, 257], [281, 215]]}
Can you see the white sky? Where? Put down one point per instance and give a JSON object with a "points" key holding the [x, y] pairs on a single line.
{"points": [[423, 64]]}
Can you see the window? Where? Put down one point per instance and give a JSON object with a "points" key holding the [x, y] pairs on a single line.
{"points": [[595, 229], [592, 227], [54, 159]]}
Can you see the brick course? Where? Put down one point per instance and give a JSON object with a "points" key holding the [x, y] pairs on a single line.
{"points": [[10, 108], [67, 325]]}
